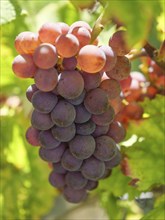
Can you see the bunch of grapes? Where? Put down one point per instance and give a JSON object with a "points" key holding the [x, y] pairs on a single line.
{"points": [[75, 96]]}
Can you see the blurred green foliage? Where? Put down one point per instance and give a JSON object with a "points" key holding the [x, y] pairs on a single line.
{"points": [[25, 192]]}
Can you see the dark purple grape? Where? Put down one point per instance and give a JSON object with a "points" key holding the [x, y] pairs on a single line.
{"points": [[105, 148], [64, 134], [96, 101], [115, 161], [93, 169], [100, 130], [82, 147], [105, 118], [47, 140], [52, 155], [57, 180], [63, 114], [107, 173], [75, 180], [70, 85], [30, 91], [41, 121], [69, 162], [44, 102], [86, 128], [74, 196], [91, 185], [111, 87], [78, 100], [91, 81], [82, 114], [58, 168]]}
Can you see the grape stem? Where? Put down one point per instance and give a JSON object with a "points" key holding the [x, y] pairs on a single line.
{"points": [[134, 54], [153, 53]]}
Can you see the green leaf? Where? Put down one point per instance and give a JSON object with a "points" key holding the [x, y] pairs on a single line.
{"points": [[146, 155], [9, 11]]}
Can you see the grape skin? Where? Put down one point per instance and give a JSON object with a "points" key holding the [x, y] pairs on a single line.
{"points": [[64, 27], [69, 63], [23, 66], [91, 81], [100, 130], [91, 59], [111, 58], [105, 118], [70, 85], [47, 140], [96, 101], [116, 131], [82, 147], [44, 101], [45, 56], [32, 136], [49, 32], [46, 80], [67, 45], [82, 114], [115, 161], [111, 87], [64, 134], [30, 91], [78, 100], [86, 128], [91, 185], [74, 196], [41, 121], [105, 148], [63, 114], [52, 155], [57, 180], [26, 42], [58, 168], [75, 180], [69, 162], [121, 70], [93, 169], [80, 24]]}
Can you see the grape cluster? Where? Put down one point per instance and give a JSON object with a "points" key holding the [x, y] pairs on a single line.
{"points": [[76, 85]]}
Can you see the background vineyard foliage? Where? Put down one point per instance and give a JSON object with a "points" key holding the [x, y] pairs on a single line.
{"points": [[25, 192]]}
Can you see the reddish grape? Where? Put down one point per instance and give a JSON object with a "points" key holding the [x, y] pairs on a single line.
{"points": [[116, 131], [23, 66], [49, 32], [121, 70], [69, 63], [30, 91], [91, 81], [67, 45], [46, 80], [32, 136], [111, 87], [91, 59], [134, 111], [80, 24], [64, 27], [45, 56]]}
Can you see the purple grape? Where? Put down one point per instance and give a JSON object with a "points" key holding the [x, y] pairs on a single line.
{"points": [[100, 130], [69, 162], [44, 102], [91, 185], [96, 101], [57, 180], [116, 131], [63, 114], [47, 140], [115, 161], [74, 196], [69, 63], [52, 155], [93, 169], [75, 180], [30, 91], [32, 136], [78, 100], [82, 147], [64, 134], [105, 148], [82, 114], [86, 128], [41, 121], [58, 168], [91, 81]]}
